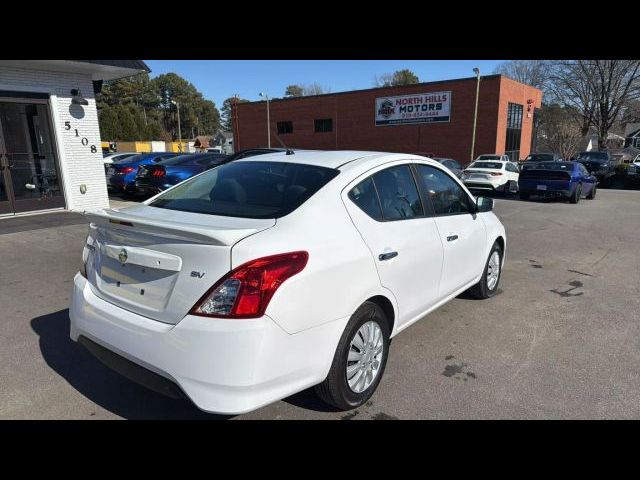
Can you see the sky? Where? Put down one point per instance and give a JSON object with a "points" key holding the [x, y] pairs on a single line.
{"points": [[220, 79]]}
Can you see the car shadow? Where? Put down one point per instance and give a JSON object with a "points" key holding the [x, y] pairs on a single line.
{"points": [[99, 383], [308, 400]]}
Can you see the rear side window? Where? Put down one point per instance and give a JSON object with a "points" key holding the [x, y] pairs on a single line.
{"points": [[251, 189]]}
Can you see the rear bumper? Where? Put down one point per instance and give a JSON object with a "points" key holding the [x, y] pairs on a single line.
{"points": [[223, 366], [553, 187], [484, 185], [149, 189]]}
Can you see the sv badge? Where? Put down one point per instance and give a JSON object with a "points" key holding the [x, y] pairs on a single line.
{"points": [[197, 274]]}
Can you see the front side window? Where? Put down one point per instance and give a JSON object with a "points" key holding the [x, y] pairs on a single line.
{"points": [[398, 193], [251, 189], [446, 196]]}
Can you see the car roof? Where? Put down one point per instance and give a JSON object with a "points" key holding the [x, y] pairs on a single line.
{"points": [[329, 158]]}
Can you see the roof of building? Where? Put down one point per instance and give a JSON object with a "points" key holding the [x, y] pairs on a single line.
{"points": [[97, 69], [382, 89]]}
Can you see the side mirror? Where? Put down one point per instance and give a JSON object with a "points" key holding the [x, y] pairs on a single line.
{"points": [[484, 204]]}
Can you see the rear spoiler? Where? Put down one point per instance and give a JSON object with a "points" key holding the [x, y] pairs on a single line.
{"points": [[181, 231]]}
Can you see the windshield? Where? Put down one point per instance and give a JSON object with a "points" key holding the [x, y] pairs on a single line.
{"points": [[491, 165], [250, 189], [488, 157], [597, 156]]}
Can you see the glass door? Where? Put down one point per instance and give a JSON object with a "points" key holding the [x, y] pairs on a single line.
{"points": [[29, 170]]}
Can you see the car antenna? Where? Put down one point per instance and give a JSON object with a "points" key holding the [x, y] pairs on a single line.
{"points": [[288, 150]]}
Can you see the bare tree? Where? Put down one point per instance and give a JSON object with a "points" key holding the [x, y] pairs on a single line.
{"points": [[559, 130], [616, 84], [597, 90], [531, 72], [315, 89]]}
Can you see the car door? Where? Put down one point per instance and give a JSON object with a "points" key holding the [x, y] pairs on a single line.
{"points": [[462, 231], [387, 210], [512, 171], [588, 180]]}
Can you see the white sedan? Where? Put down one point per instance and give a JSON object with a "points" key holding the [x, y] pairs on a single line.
{"points": [[268, 275], [492, 175]]}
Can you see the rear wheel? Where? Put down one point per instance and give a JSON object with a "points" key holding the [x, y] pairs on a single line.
{"points": [[359, 361], [524, 196], [488, 284], [577, 193], [592, 194]]}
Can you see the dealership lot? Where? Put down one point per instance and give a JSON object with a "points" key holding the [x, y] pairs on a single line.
{"points": [[560, 340]]}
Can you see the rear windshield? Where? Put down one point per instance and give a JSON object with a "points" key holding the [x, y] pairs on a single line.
{"points": [[492, 165], [550, 166], [180, 159], [251, 189], [132, 158], [489, 157]]}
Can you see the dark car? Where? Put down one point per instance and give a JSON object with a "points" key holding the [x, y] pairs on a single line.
{"points": [[451, 164], [570, 180], [543, 157], [156, 177], [251, 152], [121, 176], [599, 164]]}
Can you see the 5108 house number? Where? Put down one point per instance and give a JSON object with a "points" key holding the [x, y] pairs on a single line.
{"points": [[84, 140]]}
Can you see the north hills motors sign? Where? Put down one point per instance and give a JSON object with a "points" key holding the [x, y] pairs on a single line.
{"points": [[416, 108]]}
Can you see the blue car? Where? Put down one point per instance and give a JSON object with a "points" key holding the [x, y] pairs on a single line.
{"points": [[121, 175], [156, 177], [569, 180]]}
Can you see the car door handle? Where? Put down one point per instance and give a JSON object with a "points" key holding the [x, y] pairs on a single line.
{"points": [[452, 238], [387, 256]]}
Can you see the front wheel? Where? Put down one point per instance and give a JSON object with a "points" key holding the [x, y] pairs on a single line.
{"points": [[524, 196], [488, 284], [359, 361]]}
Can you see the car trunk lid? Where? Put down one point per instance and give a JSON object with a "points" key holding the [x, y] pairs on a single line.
{"points": [[158, 262]]}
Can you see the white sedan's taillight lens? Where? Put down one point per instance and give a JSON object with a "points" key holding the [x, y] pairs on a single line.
{"points": [[246, 290]]}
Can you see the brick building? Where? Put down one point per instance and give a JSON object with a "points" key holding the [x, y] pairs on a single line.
{"points": [[50, 146], [433, 118]]}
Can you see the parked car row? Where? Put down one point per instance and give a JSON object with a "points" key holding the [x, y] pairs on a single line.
{"points": [[151, 173]]}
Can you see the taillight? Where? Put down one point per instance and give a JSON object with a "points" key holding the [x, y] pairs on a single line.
{"points": [[495, 174], [245, 291], [158, 172], [125, 170]]}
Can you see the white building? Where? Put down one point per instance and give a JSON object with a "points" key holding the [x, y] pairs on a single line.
{"points": [[50, 148]]}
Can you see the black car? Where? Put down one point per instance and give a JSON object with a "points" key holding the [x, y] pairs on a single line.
{"points": [[599, 164], [543, 157], [155, 178], [251, 152]]}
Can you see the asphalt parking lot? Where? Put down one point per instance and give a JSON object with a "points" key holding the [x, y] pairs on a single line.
{"points": [[560, 340]]}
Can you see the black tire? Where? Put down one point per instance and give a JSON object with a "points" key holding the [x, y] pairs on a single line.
{"points": [[335, 389], [481, 290], [524, 196], [577, 193], [592, 194]]}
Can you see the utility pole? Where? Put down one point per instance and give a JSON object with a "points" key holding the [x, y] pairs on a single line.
{"points": [[475, 113]]}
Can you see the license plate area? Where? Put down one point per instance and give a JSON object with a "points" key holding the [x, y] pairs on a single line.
{"points": [[142, 286], [541, 187]]}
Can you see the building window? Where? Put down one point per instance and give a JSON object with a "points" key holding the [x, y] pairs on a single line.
{"points": [[514, 131], [323, 125], [285, 127]]}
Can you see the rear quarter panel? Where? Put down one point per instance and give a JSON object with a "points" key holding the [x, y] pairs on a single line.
{"points": [[339, 276]]}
